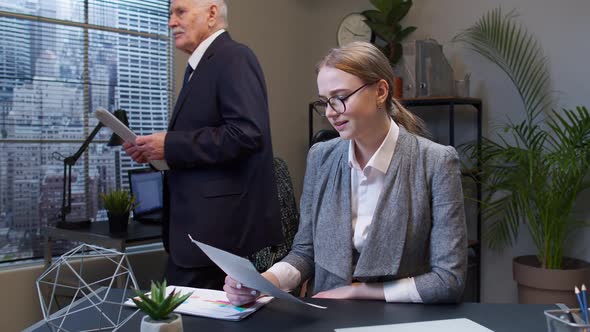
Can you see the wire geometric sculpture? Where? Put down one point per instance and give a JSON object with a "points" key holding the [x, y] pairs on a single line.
{"points": [[88, 290]]}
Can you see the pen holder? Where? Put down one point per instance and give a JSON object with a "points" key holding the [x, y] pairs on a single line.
{"points": [[559, 321]]}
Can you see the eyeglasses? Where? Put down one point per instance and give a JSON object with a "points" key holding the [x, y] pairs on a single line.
{"points": [[337, 103]]}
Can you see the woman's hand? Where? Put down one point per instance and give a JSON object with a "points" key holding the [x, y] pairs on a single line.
{"points": [[356, 290], [239, 294], [346, 292]]}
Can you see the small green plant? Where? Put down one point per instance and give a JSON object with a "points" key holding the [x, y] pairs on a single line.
{"points": [[118, 201], [385, 23], [157, 305]]}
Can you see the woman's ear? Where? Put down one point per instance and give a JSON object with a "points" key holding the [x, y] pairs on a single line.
{"points": [[382, 92]]}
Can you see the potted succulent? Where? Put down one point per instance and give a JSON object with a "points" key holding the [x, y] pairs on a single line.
{"points": [[158, 308], [533, 171], [385, 23], [118, 204]]}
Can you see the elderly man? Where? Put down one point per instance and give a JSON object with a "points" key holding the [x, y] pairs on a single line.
{"points": [[220, 188]]}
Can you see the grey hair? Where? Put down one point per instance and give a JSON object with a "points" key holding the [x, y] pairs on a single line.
{"points": [[222, 11], [221, 5]]}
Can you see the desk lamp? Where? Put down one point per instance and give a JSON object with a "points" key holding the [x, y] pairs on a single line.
{"points": [[66, 203]]}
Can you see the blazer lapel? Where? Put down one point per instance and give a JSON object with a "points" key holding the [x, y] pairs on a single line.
{"points": [[382, 254], [333, 236], [184, 92]]}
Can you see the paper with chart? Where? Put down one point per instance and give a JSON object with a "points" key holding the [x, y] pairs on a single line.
{"points": [[446, 325], [211, 303], [125, 133], [242, 270]]}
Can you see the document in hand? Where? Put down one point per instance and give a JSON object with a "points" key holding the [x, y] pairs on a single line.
{"points": [[109, 120], [211, 303], [243, 271]]}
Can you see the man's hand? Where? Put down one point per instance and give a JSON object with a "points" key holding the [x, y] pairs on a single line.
{"points": [[151, 146], [132, 150]]}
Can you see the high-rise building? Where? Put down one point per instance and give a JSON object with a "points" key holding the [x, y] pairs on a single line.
{"points": [[142, 77], [46, 108]]}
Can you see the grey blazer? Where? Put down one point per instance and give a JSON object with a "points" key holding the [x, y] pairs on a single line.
{"points": [[418, 229]]}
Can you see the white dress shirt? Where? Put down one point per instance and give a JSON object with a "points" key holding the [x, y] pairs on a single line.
{"points": [[198, 53], [366, 186]]}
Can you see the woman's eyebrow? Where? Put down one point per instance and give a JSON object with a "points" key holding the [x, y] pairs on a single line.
{"points": [[333, 92]]}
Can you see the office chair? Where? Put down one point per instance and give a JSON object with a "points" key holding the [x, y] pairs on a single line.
{"points": [[323, 135], [266, 257]]}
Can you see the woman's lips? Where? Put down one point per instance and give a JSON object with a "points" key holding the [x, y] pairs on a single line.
{"points": [[340, 125]]}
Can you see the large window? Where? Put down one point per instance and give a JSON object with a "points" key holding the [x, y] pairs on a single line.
{"points": [[59, 61]]}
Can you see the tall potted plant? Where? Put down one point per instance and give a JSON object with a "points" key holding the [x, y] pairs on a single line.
{"points": [[533, 171]]}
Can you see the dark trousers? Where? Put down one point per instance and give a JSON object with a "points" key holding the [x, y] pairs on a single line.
{"points": [[210, 277]]}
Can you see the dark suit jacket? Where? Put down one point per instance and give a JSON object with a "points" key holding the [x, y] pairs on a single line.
{"points": [[220, 187]]}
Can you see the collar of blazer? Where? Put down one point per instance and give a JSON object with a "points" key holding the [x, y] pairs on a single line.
{"points": [[209, 53], [382, 254]]}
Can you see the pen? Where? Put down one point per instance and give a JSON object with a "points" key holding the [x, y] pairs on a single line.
{"points": [[585, 303], [579, 296]]}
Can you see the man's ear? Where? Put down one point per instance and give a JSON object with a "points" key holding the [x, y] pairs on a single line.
{"points": [[213, 17]]}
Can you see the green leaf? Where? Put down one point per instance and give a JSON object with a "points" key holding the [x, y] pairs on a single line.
{"points": [[382, 31], [118, 201], [383, 5], [164, 308], [403, 34], [374, 16], [157, 305], [399, 11]]}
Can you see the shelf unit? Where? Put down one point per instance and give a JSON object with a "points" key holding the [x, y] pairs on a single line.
{"points": [[476, 104]]}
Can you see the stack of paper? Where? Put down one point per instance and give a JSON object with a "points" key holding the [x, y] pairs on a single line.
{"points": [[212, 304], [446, 325], [125, 133], [244, 272]]}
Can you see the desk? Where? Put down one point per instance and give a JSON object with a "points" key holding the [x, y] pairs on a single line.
{"points": [[98, 234], [280, 315]]}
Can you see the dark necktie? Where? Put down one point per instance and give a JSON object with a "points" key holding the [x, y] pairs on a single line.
{"points": [[187, 74]]}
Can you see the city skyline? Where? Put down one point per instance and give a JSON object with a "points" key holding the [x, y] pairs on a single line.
{"points": [[45, 107]]}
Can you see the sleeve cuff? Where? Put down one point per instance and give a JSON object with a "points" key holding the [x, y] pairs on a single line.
{"points": [[402, 290], [289, 277]]}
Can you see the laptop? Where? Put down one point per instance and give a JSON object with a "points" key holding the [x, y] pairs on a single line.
{"points": [[146, 184]]}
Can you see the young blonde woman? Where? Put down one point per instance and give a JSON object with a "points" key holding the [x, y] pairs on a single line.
{"points": [[382, 213]]}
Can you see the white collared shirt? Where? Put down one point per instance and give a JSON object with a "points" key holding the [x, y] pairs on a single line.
{"points": [[366, 186], [198, 53]]}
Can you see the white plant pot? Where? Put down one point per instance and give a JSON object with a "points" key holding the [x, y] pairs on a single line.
{"points": [[174, 324]]}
